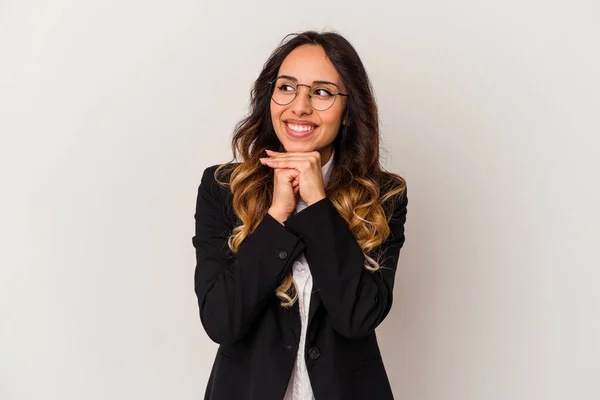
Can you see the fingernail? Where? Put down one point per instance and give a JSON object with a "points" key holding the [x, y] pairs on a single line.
{"points": [[269, 151]]}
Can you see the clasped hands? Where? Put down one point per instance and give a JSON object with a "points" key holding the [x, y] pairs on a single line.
{"points": [[294, 172]]}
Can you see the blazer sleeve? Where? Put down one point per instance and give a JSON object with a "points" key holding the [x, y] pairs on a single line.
{"points": [[355, 299], [233, 289]]}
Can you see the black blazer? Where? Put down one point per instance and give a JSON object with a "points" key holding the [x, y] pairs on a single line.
{"points": [[258, 338]]}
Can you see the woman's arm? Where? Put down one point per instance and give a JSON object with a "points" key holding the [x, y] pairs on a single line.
{"points": [[233, 289], [356, 300]]}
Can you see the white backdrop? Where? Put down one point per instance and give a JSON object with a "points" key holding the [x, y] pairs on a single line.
{"points": [[110, 111]]}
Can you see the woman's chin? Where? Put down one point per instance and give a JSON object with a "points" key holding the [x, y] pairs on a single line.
{"points": [[290, 147]]}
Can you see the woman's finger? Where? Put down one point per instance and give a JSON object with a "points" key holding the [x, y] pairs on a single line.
{"points": [[291, 153], [287, 158], [287, 163]]}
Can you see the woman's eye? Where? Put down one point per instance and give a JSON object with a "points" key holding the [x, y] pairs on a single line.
{"points": [[322, 93], [284, 88]]}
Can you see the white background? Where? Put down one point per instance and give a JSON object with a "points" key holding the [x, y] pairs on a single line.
{"points": [[111, 110]]}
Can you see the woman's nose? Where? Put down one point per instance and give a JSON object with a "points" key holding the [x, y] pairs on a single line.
{"points": [[301, 104]]}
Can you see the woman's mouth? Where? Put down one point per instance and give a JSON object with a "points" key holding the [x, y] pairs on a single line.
{"points": [[299, 131]]}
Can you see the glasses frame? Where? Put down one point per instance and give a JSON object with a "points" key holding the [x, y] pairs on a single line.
{"points": [[309, 95]]}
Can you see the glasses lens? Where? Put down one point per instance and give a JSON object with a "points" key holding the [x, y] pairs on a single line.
{"points": [[284, 91], [321, 96]]}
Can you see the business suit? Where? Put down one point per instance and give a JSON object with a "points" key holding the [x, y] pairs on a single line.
{"points": [[258, 338]]}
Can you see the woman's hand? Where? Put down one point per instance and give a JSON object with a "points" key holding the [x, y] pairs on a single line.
{"points": [[285, 188], [296, 172]]}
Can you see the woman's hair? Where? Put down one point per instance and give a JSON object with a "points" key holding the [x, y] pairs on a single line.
{"points": [[360, 190]]}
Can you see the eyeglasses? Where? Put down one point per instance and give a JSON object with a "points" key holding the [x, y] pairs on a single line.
{"points": [[321, 95]]}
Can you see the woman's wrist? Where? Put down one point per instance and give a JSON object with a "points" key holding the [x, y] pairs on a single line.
{"points": [[278, 215]]}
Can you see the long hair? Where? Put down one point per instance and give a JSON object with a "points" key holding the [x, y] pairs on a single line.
{"points": [[359, 188]]}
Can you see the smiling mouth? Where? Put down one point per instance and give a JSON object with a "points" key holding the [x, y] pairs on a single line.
{"points": [[300, 128]]}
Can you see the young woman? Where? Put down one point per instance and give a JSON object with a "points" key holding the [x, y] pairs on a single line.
{"points": [[297, 247]]}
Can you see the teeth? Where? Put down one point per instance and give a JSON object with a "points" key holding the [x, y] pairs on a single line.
{"points": [[301, 128]]}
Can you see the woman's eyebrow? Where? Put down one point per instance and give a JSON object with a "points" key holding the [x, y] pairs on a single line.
{"points": [[314, 82]]}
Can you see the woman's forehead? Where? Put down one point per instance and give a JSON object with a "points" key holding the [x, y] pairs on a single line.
{"points": [[308, 64]]}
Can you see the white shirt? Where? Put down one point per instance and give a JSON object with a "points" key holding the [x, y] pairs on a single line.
{"points": [[299, 387]]}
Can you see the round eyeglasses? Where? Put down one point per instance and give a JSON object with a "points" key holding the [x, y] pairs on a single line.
{"points": [[321, 95]]}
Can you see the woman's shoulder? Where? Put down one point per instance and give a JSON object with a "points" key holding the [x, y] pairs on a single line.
{"points": [[393, 192], [215, 178]]}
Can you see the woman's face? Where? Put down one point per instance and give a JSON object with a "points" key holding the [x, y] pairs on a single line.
{"points": [[298, 126]]}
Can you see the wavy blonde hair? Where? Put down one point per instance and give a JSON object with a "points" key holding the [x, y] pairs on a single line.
{"points": [[360, 190]]}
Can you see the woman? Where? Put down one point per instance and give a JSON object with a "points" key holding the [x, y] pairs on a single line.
{"points": [[297, 247]]}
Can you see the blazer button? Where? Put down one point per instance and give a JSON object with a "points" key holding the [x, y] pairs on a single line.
{"points": [[282, 254], [314, 353]]}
